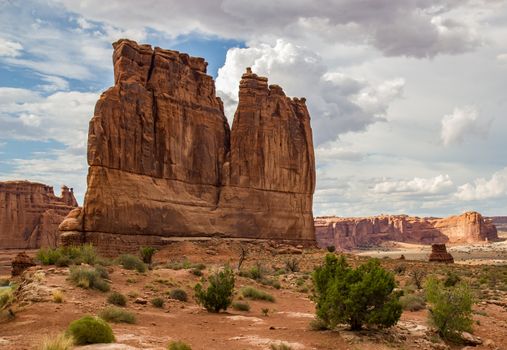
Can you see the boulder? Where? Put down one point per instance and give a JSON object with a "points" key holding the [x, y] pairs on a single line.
{"points": [[164, 163], [20, 263]]}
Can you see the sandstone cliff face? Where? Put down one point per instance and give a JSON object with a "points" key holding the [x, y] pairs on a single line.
{"points": [[164, 163], [349, 233], [30, 214]]}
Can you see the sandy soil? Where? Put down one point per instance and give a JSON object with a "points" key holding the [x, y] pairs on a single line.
{"points": [[287, 320]]}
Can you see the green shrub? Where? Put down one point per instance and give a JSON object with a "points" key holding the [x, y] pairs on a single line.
{"points": [[360, 296], [57, 296], [256, 294], [86, 277], [102, 271], [218, 295], [59, 342], [178, 294], [271, 282], [280, 346], [265, 311], [331, 248], [90, 330], [6, 297], [48, 256], [451, 308], [178, 345], [292, 265], [158, 302], [116, 298], [400, 269], [451, 279], [241, 306], [418, 276], [256, 272], [131, 262], [318, 325], [65, 256], [412, 302], [196, 272], [117, 315], [147, 254]]}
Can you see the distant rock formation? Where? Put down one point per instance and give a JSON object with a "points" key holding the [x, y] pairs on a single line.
{"points": [[500, 222], [30, 214], [164, 163], [439, 254], [350, 233]]}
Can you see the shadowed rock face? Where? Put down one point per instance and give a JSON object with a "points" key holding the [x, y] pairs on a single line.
{"points": [[164, 163], [30, 214], [349, 233]]}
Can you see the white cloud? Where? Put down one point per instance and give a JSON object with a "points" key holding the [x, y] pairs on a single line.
{"points": [[411, 28], [61, 116], [502, 58], [417, 186], [482, 188], [10, 48], [337, 103], [54, 83], [462, 123]]}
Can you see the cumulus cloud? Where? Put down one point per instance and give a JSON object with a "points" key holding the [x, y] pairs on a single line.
{"points": [[338, 103], [10, 48], [462, 123], [418, 186], [482, 188], [409, 27], [62, 116]]}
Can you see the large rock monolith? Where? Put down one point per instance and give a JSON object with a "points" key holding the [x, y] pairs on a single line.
{"points": [[164, 163]]}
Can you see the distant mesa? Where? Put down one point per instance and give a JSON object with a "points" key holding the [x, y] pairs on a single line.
{"points": [[164, 163], [30, 214], [350, 233]]}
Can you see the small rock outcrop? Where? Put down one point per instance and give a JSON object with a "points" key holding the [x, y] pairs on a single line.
{"points": [[164, 163], [350, 233], [20, 263], [30, 214], [439, 253]]}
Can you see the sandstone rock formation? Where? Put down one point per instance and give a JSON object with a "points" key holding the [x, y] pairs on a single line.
{"points": [[30, 214], [164, 163], [349, 233], [439, 254], [20, 263]]}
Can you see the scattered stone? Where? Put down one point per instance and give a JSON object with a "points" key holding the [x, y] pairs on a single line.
{"points": [[470, 339], [141, 301]]}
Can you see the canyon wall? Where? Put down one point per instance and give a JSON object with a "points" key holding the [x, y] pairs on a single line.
{"points": [[30, 214], [350, 233], [164, 164]]}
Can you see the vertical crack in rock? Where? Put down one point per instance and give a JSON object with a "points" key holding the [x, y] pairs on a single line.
{"points": [[164, 162]]}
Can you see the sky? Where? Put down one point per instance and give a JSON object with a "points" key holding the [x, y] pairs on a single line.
{"points": [[407, 97]]}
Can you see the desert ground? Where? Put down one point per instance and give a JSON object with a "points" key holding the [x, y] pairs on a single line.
{"points": [[286, 320]]}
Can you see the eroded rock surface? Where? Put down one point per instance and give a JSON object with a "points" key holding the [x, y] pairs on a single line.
{"points": [[439, 253], [349, 233], [30, 214], [164, 162]]}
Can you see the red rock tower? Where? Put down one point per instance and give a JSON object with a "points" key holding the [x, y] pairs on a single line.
{"points": [[164, 162]]}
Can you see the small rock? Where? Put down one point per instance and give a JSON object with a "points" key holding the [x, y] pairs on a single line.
{"points": [[141, 301], [470, 339], [489, 343]]}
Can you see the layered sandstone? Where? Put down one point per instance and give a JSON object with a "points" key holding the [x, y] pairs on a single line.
{"points": [[439, 253], [349, 233], [164, 162], [30, 214]]}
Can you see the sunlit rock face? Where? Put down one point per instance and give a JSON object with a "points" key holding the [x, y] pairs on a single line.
{"points": [[165, 164], [349, 233], [30, 214]]}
